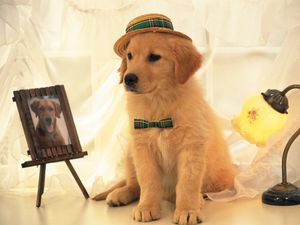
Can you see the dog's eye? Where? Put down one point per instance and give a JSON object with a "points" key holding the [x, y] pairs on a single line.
{"points": [[129, 56], [153, 57]]}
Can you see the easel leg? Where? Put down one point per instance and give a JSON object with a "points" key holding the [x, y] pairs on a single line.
{"points": [[82, 188], [41, 184]]}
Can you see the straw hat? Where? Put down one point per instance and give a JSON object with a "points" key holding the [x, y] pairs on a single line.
{"points": [[143, 24]]}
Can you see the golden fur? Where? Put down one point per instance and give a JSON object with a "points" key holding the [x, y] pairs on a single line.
{"points": [[47, 131], [179, 163]]}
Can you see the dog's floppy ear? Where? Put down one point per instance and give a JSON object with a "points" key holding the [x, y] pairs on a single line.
{"points": [[187, 60], [122, 69], [57, 109], [35, 106]]}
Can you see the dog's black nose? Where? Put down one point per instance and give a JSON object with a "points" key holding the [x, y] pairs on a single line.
{"points": [[131, 79], [48, 120]]}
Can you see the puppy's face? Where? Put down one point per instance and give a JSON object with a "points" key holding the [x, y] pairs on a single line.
{"points": [[47, 111], [156, 61]]}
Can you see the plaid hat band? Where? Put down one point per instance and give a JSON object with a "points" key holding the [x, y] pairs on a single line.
{"points": [[153, 22]]}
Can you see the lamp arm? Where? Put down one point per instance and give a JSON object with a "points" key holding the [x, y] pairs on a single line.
{"points": [[291, 140], [290, 87], [284, 155]]}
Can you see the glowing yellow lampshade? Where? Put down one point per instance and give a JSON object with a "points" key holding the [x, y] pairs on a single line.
{"points": [[258, 120]]}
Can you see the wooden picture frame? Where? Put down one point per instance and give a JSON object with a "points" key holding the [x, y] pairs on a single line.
{"points": [[49, 129]]}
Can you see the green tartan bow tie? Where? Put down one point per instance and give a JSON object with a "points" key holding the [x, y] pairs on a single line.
{"points": [[141, 124]]}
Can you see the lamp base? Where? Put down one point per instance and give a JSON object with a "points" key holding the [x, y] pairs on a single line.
{"points": [[283, 194]]}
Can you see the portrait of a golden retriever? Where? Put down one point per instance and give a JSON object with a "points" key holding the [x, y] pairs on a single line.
{"points": [[48, 133], [178, 163]]}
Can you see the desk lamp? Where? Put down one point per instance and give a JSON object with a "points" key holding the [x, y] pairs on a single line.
{"points": [[261, 116]]}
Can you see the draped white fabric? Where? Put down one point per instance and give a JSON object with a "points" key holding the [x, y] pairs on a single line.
{"points": [[252, 45]]}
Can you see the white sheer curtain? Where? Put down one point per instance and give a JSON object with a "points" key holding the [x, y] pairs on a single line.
{"points": [[252, 45]]}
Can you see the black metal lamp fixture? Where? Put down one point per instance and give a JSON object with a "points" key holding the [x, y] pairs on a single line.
{"points": [[283, 193]]}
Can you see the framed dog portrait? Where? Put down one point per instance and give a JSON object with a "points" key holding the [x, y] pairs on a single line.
{"points": [[49, 122], [48, 125]]}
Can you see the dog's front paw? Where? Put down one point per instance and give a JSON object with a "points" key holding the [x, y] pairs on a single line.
{"points": [[187, 217], [145, 213], [121, 196]]}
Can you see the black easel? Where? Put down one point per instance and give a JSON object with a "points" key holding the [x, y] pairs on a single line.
{"points": [[40, 155]]}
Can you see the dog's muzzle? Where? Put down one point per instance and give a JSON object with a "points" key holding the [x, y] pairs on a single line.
{"points": [[48, 120], [48, 124], [130, 81]]}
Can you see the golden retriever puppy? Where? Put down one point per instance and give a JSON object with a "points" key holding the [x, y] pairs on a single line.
{"points": [[177, 163], [47, 131]]}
